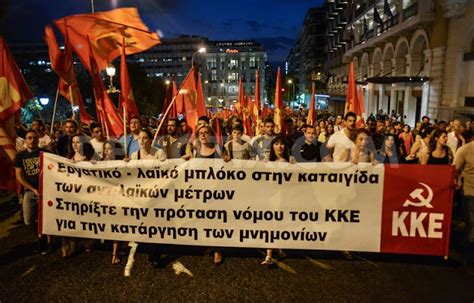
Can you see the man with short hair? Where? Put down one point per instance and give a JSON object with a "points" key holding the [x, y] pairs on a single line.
{"points": [[70, 128], [44, 140], [338, 124], [379, 135], [237, 148], [98, 139], [425, 120], [261, 145], [307, 148], [173, 145], [203, 120], [27, 171], [132, 140], [340, 142]]}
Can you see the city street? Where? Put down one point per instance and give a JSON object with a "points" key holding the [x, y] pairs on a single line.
{"points": [[189, 275]]}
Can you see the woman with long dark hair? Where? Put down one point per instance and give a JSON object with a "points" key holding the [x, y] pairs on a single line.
{"points": [[388, 152], [439, 153], [279, 152]]}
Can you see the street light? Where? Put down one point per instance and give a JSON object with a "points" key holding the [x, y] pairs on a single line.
{"points": [[110, 70], [202, 50], [292, 88], [167, 82]]}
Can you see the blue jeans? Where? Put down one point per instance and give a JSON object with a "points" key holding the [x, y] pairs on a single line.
{"points": [[30, 207], [468, 206]]}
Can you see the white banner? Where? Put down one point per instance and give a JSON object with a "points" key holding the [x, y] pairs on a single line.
{"points": [[333, 206]]}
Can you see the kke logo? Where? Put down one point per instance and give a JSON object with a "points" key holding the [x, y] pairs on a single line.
{"points": [[420, 200], [418, 224]]}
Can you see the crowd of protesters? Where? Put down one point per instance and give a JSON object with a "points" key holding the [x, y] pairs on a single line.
{"points": [[333, 138]]}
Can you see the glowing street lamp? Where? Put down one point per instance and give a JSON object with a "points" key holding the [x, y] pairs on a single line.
{"points": [[110, 71], [292, 88], [202, 50]]}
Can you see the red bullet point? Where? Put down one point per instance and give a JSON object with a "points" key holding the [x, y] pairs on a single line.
{"points": [[50, 203], [50, 166]]}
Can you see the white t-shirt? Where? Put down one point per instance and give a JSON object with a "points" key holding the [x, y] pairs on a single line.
{"points": [[44, 142], [452, 142], [98, 147], [342, 146]]}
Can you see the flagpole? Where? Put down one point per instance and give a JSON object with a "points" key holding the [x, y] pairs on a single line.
{"points": [[92, 6], [54, 109], [72, 102], [164, 116], [124, 131]]}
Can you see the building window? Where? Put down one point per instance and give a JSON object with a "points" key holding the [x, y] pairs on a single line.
{"points": [[213, 75], [233, 64], [211, 63], [253, 62], [184, 59], [222, 63], [233, 76]]}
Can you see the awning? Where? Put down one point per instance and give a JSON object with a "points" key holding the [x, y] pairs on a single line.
{"points": [[391, 80]]}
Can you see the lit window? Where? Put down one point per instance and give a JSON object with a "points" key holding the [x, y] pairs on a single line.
{"points": [[184, 59]]}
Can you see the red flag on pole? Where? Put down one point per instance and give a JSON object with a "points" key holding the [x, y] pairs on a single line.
{"points": [[106, 31], [353, 104], [14, 90], [127, 100], [279, 106], [193, 99], [106, 111], [310, 119], [63, 65]]}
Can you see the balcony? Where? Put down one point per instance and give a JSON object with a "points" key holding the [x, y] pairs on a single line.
{"points": [[410, 11], [403, 21]]}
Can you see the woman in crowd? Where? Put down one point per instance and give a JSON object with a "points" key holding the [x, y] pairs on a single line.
{"points": [[206, 148], [279, 152], [420, 147], [362, 152], [328, 132], [407, 139], [109, 154], [388, 152], [438, 153], [145, 138], [79, 150]]}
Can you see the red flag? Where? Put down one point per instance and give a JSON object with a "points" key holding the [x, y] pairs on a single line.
{"points": [[63, 65], [240, 105], [106, 31], [61, 62], [127, 101], [279, 106], [106, 111], [353, 104], [193, 99], [72, 94], [310, 119], [14, 91]]}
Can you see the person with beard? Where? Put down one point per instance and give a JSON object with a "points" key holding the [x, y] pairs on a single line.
{"points": [[172, 144], [340, 143], [70, 128], [27, 171], [261, 145], [379, 135]]}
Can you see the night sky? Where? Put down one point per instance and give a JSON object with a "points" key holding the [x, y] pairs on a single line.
{"points": [[274, 23]]}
